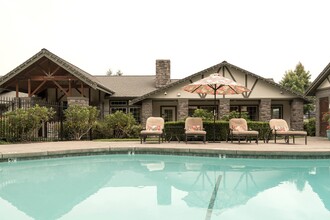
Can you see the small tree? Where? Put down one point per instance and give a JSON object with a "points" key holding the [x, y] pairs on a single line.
{"points": [[298, 81], [119, 73], [123, 125], [23, 124], [109, 72], [235, 114], [79, 120], [203, 113]]}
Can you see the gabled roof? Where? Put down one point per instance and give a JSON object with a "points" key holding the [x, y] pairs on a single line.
{"points": [[311, 90], [216, 68], [72, 69], [129, 86]]}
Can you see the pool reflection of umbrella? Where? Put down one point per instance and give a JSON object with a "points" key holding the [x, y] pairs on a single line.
{"points": [[215, 84]]}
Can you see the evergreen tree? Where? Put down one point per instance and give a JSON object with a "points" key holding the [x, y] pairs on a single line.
{"points": [[109, 72], [297, 80], [119, 73]]}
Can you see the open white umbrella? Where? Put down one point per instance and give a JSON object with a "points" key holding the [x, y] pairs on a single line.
{"points": [[216, 84]]}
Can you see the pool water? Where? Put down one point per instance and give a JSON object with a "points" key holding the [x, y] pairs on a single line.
{"points": [[164, 187]]}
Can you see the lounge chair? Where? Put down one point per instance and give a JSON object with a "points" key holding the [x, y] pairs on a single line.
{"points": [[154, 127], [194, 128], [279, 127], [238, 128]]}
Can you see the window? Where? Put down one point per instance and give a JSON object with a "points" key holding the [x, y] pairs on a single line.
{"points": [[252, 111], [277, 111], [136, 112], [118, 103], [115, 109]]}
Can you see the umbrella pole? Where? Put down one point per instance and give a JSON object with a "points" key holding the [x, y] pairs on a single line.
{"points": [[214, 114]]}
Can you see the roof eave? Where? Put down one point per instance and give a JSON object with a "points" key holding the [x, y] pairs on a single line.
{"points": [[311, 90], [217, 66]]}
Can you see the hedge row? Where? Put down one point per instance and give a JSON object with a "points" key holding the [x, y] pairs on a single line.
{"points": [[174, 130]]}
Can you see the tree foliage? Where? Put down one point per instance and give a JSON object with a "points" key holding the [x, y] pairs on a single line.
{"points": [[235, 114], [24, 124], [109, 72], [123, 125], [204, 114], [79, 120], [119, 73], [297, 80]]}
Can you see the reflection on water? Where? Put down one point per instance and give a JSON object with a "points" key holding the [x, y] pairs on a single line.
{"points": [[164, 187]]}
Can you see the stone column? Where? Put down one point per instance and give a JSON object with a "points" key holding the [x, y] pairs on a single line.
{"points": [[265, 110], [146, 110], [223, 108], [297, 114], [183, 108], [317, 116], [82, 101]]}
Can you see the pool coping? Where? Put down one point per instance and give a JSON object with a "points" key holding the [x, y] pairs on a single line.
{"points": [[317, 147]]}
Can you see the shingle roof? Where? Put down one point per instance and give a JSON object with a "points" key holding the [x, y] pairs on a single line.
{"points": [[216, 68], [72, 69], [311, 90], [129, 86]]}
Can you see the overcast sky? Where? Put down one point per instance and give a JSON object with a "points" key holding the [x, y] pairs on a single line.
{"points": [[264, 37]]}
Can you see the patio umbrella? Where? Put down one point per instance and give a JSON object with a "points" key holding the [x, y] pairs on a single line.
{"points": [[215, 84]]}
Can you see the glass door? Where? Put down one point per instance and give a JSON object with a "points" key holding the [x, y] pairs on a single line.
{"points": [[168, 113]]}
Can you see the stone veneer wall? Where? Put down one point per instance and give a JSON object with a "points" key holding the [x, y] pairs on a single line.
{"points": [[224, 107], [319, 94], [82, 101], [146, 111], [183, 108], [297, 114], [265, 110], [163, 73]]}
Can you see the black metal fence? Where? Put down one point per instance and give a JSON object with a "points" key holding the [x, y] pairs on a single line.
{"points": [[51, 130]]}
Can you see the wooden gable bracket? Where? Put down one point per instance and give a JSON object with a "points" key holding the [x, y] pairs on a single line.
{"points": [[202, 95], [81, 90], [41, 84], [62, 95], [254, 84], [42, 70], [231, 75], [60, 87], [218, 71], [49, 73]]}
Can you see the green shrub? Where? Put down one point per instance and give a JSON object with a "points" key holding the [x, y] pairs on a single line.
{"points": [[102, 131], [204, 114], [121, 125], [235, 114], [79, 120], [309, 126], [24, 124], [176, 129]]}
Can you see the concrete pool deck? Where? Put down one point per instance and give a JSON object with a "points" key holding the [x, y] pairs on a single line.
{"points": [[317, 147]]}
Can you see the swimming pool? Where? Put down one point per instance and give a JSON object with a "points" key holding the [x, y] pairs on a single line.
{"points": [[164, 187]]}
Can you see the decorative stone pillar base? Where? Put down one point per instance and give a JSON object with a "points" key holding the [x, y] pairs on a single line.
{"points": [[297, 114], [82, 101], [146, 110], [224, 108], [183, 109], [265, 110]]}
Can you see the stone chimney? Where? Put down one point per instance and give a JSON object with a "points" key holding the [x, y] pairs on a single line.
{"points": [[163, 73]]}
